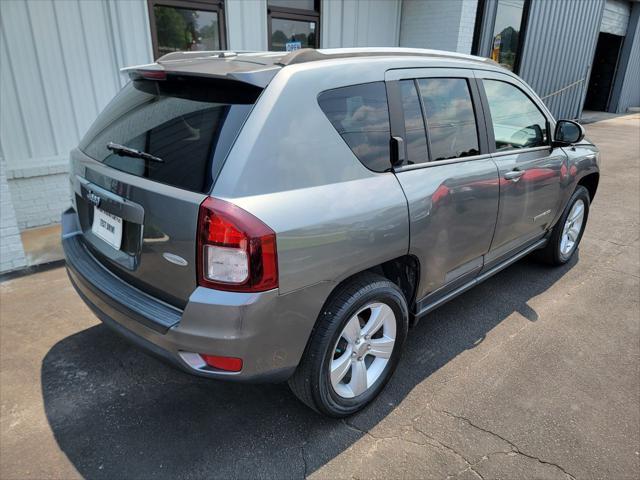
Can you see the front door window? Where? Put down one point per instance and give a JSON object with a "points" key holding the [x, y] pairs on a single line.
{"points": [[517, 122]]}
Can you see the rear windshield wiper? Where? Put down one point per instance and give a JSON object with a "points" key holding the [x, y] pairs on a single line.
{"points": [[132, 152]]}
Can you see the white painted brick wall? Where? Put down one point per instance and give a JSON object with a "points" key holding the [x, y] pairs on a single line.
{"points": [[40, 200], [11, 251]]}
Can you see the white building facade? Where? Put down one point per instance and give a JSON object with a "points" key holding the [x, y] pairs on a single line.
{"points": [[60, 62]]}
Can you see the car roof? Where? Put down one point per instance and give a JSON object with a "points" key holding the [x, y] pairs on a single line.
{"points": [[259, 67]]}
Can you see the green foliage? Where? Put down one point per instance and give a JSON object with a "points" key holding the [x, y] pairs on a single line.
{"points": [[171, 28]]}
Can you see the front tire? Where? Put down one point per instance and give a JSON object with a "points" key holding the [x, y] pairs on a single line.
{"points": [[567, 233], [354, 348]]}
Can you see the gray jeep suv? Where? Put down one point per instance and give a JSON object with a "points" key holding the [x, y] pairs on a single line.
{"points": [[288, 216]]}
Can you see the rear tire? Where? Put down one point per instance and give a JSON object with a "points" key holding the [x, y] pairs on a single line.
{"points": [[567, 233], [354, 347]]}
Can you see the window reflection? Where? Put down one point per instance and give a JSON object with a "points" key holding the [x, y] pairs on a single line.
{"points": [[361, 116], [293, 24], [451, 121], [188, 134], [506, 32], [290, 35], [185, 29], [414, 132], [517, 121]]}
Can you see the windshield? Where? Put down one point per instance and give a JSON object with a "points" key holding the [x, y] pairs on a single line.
{"points": [[176, 132]]}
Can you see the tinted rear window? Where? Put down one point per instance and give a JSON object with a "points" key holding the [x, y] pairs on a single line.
{"points": [[189, 124], [360, 114]]}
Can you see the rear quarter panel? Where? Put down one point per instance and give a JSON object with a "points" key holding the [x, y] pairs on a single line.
{"points": [[329, 232], [332, 216]]}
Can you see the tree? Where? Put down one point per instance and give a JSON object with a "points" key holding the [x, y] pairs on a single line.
{"points": [[170, 28]]}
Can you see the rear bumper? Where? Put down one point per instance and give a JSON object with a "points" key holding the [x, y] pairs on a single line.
{"points": [[266, 330]]}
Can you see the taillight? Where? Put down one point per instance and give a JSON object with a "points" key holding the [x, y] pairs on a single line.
{"points": [[150, 74], [236, 251]]}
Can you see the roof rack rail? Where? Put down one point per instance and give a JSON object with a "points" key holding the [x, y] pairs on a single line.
{"points": [[189, 55], [305, 55]]}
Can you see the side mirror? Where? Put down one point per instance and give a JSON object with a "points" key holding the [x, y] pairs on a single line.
{"points": [[567, 132]]}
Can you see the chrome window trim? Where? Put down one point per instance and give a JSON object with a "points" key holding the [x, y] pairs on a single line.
{"points": [[471, 158], [517, 151], [435, 163]]}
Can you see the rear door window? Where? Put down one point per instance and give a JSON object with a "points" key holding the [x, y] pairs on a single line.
{"points": [[451, 121], [188, 128], [360, 114], [414, 130]]}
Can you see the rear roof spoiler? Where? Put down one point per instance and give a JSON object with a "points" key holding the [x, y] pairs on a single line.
{"points": [[259, 68], [222, 66]]}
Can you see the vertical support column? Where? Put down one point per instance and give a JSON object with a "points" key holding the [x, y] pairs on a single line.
{"points": [[360, 23], [246, 24], [625, 88]]}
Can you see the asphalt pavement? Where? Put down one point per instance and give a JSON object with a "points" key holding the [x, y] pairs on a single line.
{"points": [[532, 374]]}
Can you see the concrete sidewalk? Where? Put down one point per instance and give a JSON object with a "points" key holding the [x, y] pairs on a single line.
{"points": [[533, 374]]}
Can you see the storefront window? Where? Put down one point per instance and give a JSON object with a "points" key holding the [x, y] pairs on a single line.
{"points": [[507, 32], [293, 24], [185, 26], [297, 4], [292, 33]]}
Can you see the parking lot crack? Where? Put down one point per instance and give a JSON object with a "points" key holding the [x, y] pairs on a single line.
{"points": [[620, 272], [378, 437], [618, 244], [515, 448], [429, 442], [305, 472], [443, 446]]}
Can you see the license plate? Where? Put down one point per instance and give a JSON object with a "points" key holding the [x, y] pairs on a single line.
{"points": [[108, 227]]}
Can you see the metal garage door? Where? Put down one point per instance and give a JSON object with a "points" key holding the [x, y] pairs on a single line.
{"points": [[616, 17]]}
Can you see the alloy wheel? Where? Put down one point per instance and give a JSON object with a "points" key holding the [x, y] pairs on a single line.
{"points": [[572, 228], [363, 350]]}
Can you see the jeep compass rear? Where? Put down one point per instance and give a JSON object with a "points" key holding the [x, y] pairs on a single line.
{"points": [[274, 216]]}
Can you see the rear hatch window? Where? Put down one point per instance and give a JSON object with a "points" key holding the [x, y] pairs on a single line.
{"points": [[175, 132]]}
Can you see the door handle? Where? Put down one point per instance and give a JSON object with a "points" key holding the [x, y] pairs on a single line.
{"points": [[514, 175]]}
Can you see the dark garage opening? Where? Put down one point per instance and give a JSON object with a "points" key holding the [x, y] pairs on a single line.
{"points": [[603, 72]]}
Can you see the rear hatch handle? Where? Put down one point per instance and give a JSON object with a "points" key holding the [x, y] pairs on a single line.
{"points": [[115, 204]]}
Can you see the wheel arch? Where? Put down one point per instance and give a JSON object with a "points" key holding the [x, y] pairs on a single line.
{"points": [[404, 271], [590, 182]]}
